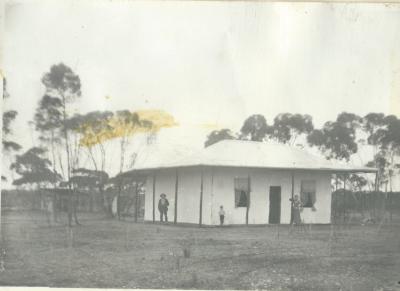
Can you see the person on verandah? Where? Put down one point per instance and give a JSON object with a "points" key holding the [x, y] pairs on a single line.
{"points": [[297, 207], [163, 207]]}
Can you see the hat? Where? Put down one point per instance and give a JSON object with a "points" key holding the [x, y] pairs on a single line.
{"points": [[163, 195]]}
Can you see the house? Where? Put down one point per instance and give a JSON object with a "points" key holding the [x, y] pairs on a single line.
{"points": [[252, 180]]}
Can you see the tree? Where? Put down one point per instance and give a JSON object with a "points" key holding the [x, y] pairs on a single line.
{"points": [[34, 169], [357, 182], [8, 146], [218, 135], [387, 139], [374, 124], [287, 127], [125, 124], [255, 128], [132, 184], [337, 139], [95, 130], [48, 122], [89, 179], [62, 83], [154, 121]]}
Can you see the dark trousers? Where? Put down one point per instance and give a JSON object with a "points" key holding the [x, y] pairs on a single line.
{"points": [[163, 213], [221, 219]]}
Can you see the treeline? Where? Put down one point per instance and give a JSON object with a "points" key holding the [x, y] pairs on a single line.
{"points": [[372, 206]]}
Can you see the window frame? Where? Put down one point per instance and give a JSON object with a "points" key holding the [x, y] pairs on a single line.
{"points": [[311, 195], [238, 188]]}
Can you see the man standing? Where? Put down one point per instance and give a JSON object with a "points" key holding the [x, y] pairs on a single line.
{"points": [[163, 207], [297, 208]]}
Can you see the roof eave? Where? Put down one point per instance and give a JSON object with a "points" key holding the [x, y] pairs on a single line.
{"points": [[333, 170]]}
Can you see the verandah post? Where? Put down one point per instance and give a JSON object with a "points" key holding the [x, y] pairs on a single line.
{"points": [[248, 199], [292, 194], [376, 192], [154, 197], [344, 198], [176, 199], [201, 200], [335, 214], [136, 201]]}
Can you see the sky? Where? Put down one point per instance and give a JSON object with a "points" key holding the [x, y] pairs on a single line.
{"points": [[206, 62]]}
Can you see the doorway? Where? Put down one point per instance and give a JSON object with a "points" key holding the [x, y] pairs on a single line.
{"points": [[274, 204]]}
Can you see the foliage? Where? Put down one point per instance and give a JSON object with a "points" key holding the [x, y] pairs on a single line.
{"points": [[64, 86], [218, 135], [357, 182], [155, 120], [337, 139], [8, 117], [94, 127], [86, 178], [97, 127], [255, 128], [33, 168], [48, 116], [62, 82], [384, 135], [287, 127]]}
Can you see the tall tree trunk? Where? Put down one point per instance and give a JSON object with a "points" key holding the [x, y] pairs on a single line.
{"points": [[61, 165], [136, 201], [122, 155], [92, 158], [67, 150]]}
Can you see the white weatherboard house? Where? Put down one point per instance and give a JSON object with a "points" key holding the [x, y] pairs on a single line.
{"points": [[253, 181]]}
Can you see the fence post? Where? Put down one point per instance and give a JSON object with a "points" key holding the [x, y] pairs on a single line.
{"points": [[344, 198]]}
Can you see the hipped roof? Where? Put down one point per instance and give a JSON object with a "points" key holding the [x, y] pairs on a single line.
{"points": [[245, 154]]}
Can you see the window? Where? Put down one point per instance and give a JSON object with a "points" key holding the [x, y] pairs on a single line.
{"points": [[307, 195], [242, 190]]}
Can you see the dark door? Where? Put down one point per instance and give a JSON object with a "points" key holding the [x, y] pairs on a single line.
{"points": [[274, 204]]}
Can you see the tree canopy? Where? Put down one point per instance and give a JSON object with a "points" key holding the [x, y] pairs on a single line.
{"points": [[287, 127], [218, 135], [337, 139], [34, 168], [255, 128]]}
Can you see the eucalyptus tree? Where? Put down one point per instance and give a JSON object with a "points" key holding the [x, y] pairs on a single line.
{"points": [[87, 179], [288, 127], [8, 146], [386, 139], [218, 135], [255, 128], [34, 169], [125, 124], [95, 130], [337, 139], [64, 85], [48, 123]]}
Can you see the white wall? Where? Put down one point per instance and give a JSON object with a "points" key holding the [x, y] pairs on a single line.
{"points": [[189, 181], [218, 189], [323, 196], [165, 183]]}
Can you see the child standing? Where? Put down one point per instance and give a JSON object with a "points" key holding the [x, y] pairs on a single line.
{"points": [[221, 215]]}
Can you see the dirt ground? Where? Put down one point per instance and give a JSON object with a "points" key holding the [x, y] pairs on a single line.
{"points": [[106, 253]]}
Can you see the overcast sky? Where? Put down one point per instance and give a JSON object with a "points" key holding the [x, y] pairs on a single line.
{"points": [[207, 62]]}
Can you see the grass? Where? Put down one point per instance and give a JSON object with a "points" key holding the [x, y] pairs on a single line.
{"points": [[106, 253]]}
